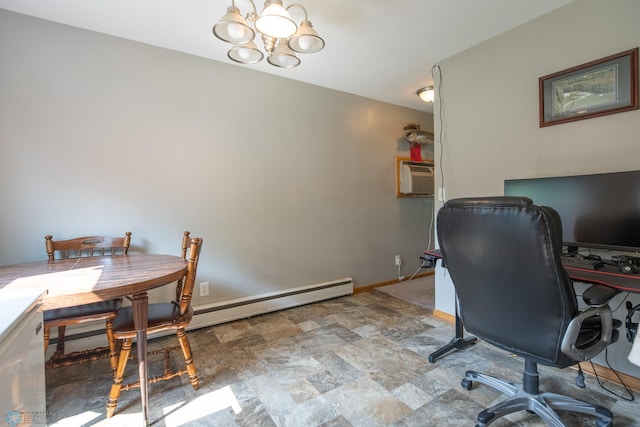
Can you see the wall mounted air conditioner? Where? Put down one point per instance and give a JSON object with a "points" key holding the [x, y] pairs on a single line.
{"points": [[416, 178]]}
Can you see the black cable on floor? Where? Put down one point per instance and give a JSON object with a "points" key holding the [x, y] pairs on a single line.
{"points": [[631, 397]]}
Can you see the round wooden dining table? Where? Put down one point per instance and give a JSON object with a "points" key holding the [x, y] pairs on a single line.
{"points": [[72, 282]]}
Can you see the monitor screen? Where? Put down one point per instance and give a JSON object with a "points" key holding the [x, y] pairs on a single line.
{"points": [[597, 211]]}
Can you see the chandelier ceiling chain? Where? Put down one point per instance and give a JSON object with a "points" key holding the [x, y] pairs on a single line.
{"points": [[281, 37]]}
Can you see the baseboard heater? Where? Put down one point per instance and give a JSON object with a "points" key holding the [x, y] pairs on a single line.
{"points": [[242, 308], [224, 311]]}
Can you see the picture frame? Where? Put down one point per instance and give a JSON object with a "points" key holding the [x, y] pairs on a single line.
{"points": [[605, 86]]}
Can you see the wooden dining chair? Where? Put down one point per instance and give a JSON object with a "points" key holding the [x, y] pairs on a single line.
{"points": [[175, 315], [100, 311]]}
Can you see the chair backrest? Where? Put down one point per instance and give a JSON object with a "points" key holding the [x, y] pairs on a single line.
{"points": [[87, 246], [186, 244], [191, 247], [503, 254]]}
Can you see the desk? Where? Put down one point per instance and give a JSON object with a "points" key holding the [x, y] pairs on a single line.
{"points": [[72, 282], [607, 275]]}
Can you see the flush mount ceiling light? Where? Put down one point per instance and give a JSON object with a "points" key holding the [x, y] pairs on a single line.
{"points": [[426, 93], [281, 37]]}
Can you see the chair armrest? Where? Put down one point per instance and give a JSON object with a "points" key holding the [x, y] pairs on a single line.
{"points": [[598, 295], [574, 329]]}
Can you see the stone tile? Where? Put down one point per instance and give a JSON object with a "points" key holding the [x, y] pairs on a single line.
{"points": [[384, 360], [310, 342], [365, 403], [338, 421], [277, 328], [356, 361], [338, 369], [308, 325], [411, 395], [312, 412], [452, 408], [276, 401], [233, 330]]}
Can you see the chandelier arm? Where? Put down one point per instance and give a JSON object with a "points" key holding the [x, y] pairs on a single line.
{"points": [[255, 11], [250, 16], [301, 7]]}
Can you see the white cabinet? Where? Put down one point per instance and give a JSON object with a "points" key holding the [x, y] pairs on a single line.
{"points": [[22, 395]]}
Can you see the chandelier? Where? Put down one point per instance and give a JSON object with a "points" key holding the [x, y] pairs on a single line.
{"points": [[281, 36]]}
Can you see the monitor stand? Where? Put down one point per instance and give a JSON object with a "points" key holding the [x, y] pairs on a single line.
{"points": [[572, 250]]}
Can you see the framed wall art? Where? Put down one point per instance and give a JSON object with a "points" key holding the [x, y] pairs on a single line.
{"points": [[604, 86]]}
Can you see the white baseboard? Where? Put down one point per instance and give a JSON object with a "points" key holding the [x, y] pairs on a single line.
{"points": [[242, 308]]}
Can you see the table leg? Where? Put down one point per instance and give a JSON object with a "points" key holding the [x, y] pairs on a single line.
{"points": [[458, 342], [140, 309]]}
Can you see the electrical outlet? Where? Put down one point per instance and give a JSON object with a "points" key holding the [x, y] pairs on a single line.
{"points": [[398, 261], [441, 195], [204, 289]]}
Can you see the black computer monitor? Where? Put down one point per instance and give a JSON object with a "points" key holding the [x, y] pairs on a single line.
{"points": [[599, 211]]}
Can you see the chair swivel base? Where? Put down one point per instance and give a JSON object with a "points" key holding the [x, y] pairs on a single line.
{"points": [[542, 404]]}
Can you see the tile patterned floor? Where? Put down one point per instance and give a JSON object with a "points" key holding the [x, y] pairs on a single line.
{"points": [[353, 361]]}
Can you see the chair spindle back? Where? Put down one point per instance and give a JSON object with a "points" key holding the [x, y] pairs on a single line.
{"points": [[87, 246]]}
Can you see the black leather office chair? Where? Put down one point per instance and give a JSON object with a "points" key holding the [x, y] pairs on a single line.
{"points": [[503, 254]]}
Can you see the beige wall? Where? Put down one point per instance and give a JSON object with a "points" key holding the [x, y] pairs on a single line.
{"points": [[490, 121], [289, 184]]}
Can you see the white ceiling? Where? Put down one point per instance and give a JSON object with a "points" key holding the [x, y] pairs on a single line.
{"points": [[380, 49]]}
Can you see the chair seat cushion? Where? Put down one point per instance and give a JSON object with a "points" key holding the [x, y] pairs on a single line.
{"points": [[161, 316], [85, 310]]}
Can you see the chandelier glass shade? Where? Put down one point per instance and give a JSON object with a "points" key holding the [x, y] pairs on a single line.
{"points": [[274, 21], [283, 56], [245, 53], [281, 37]]}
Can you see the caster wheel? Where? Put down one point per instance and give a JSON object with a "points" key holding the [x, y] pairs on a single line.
{"points": [[466, 384], [603, 423]]}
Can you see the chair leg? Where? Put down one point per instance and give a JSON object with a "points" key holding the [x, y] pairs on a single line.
{"points": [[566, 403], [46, 336], [125, 350], [188, 359], [529, 397], [499, 384], [113, 355]]}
